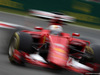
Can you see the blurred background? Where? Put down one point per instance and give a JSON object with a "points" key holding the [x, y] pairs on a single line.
{"points": [[86, 12]]}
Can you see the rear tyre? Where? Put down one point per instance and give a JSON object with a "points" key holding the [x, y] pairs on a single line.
{"points": [[22, 42], [96, 49], [89, 55], [94, 52]]}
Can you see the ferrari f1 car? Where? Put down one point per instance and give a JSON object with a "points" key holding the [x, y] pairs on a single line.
{"points": [[52, 48], [49, 48]]}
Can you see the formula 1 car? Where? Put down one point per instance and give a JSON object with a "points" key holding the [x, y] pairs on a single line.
{"points": [[49, 48], [52, 48]]}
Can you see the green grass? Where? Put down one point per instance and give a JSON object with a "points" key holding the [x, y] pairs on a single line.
{"points": [[87, 25], [14, 11], [78, 16], [26, 14]]}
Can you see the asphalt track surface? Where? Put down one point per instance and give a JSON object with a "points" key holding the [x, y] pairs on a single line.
{"points": [[5, 34]]}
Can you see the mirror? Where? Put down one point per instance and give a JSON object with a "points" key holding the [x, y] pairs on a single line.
{"points": [[38, 28], [76, 34]]}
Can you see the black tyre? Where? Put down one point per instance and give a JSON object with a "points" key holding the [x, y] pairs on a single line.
{"points": [[88, 56], [96, 49], [94, 53], [22, 42]]}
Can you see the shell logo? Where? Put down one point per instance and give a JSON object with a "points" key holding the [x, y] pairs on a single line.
{"points": [[60, 50]]}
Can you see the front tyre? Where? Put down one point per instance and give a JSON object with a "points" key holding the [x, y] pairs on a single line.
{"points": [[22, 42]]}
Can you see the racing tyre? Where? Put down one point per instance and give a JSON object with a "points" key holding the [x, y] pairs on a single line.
{"points": [[94, 56], [96, 49], [22, 42], [89, 55]]}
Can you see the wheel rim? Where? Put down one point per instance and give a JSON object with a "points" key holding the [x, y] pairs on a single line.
{"points": [[89, 50], [12, 46]]}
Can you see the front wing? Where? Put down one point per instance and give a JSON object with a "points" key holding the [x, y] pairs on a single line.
{"points": [[71, 64]]}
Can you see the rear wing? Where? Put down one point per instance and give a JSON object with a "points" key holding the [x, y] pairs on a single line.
{"points": [[49, 15]]}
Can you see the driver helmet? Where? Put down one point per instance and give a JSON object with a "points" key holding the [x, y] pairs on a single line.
{"points": [[55, 29]]}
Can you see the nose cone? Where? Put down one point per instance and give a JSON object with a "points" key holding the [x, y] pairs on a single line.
{"points": [[58, 53], [58, 56]]}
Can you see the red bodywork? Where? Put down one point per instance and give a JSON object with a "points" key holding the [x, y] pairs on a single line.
{"points": [[58, 50]]}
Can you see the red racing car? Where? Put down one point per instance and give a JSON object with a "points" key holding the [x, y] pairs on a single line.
{"points": [[52, 48]]}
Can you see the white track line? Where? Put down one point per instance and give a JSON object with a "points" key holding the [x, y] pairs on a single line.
{"points": [[11, 25], [6, 27]]}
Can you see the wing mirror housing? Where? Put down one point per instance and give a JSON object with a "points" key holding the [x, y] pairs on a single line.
{"points": [[76, 34], [38, 28]]}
